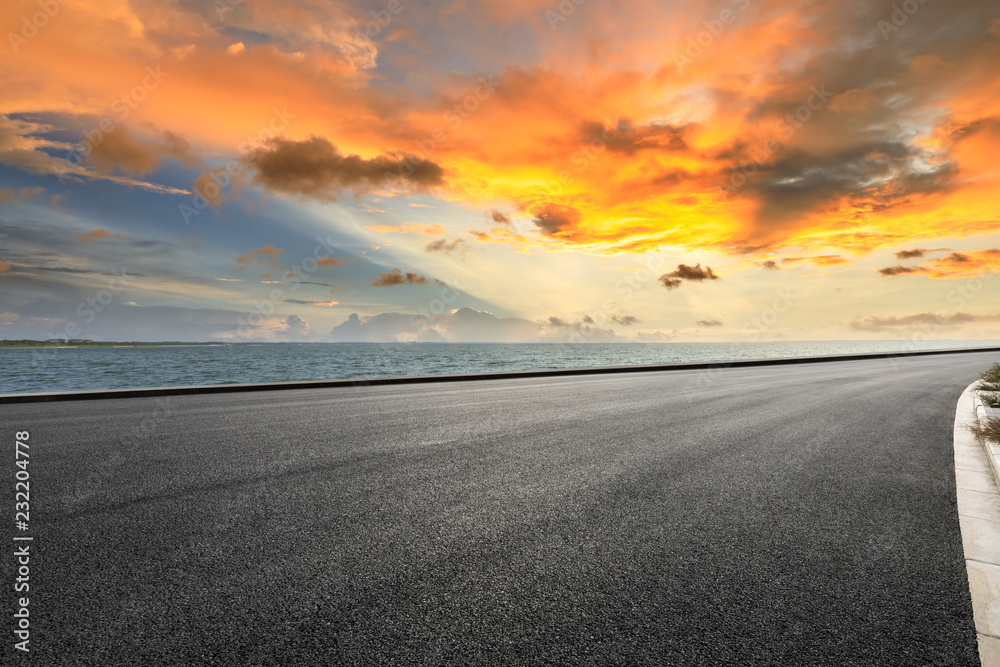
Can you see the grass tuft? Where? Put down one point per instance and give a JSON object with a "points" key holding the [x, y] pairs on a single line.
{"points": [[991, 375], [988, 429], [988, 386], [992, 400]]}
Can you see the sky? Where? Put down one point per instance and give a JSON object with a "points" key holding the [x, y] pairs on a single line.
{"points": [[516, 170]]}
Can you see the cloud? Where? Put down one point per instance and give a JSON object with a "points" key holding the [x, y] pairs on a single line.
{"points": [[471, 325], [209, 185], [465, 325], [123, 151], [622, 320], [498, 217], [555, 220], [911, 254], [23, 146], [560, 330], [441, 245], [920, 320], [709, 323], [954, 265], [684, 272], [90, 237], [329, 262], [899, 270], [295, 326], [426, 230], [325, 304], [818, 260], [769, 265], [397, 277], [4, 267], [266, 256], [9, 197], [316, 168]]}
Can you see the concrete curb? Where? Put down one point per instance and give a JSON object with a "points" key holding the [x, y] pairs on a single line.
{"points": [[978, 491], [463, 377]]}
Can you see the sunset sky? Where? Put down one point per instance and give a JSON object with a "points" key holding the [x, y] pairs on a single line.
{"points": [[499, 170]]}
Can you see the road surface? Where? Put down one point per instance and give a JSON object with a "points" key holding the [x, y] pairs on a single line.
{"points": [[764, 516]]}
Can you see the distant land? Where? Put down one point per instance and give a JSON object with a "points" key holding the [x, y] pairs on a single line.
{"points": [[85, 342]]}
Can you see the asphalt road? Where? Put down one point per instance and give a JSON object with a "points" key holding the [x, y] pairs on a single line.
{"points": [[789, 515]]}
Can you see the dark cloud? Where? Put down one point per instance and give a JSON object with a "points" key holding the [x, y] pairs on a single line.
{"points": [[441, 245], [770, 265], [684, 272], [498, 217], [911, 254], [629, 139], [397, 277], [709, 323], [123, 151], [316, 168], [554, 219], [899, 269], [670, 283], [622, 320]]}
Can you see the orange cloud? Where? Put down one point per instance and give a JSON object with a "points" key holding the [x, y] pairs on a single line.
{"points": [[266, 256], [9, 197], [426, 230], [766, 137], [95, 235], [954, 265], [397, 277], [819, 260]]}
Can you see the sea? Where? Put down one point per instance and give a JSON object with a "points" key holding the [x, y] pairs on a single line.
{"points": [[88, 368]]}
